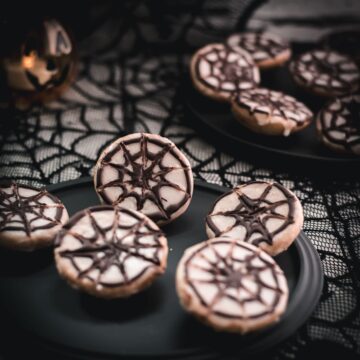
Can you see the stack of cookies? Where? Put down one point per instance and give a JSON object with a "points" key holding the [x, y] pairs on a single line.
{"points": [[117, 249], [230, 72]]}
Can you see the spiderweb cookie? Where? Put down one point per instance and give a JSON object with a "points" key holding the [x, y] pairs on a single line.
{"points": [[326, 73], [29, 217], [267, 50], [338, 124], [270, 112], [231, 285], [262, 213], [219, 71], [110, 251], [145, 172]]}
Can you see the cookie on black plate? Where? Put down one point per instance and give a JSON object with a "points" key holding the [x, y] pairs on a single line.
{"points": [[267, 50], [262, 213], [338, 124], [231, 285], [219, 71], [270, 112], [29, 217], [145, 172], [110, 252], [326, 73]]}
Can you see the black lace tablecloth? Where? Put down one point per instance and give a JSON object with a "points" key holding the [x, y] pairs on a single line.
{"points": [[131, 66]]}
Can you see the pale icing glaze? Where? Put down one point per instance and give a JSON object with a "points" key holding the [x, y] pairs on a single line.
{"points": [[330, 71], [339, 123], [146, 173], [235, 280], [254, 212], [111, 246], [269, 106], [26, 212], [224, 69], [261, 46]]}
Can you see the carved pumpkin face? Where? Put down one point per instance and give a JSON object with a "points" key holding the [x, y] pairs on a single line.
{"points": [[45, 61]]}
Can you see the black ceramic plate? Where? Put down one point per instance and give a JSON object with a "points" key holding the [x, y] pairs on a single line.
{"points": [[151, 324], [215, 121]]}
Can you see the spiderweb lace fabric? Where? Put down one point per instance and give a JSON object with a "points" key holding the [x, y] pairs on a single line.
{"points": [[129, 80]]}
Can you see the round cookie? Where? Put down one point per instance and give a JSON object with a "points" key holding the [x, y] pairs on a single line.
{"points": [[267, 50], [270, 112], [29, 217], [110, 252], [262, 213], [338, 124], [145, 172], [326, 73], [231, 285], [218, 71]]}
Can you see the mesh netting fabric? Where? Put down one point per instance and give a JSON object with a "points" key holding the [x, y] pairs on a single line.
{"points": [[129, 80]]}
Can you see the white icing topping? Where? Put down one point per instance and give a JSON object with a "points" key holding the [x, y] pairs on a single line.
{"points": [[328, 70], [269, 106], [230, 212], [235, 279], [28, 212], [225, 69], [261, 46], [168, 183], [125, 242]]}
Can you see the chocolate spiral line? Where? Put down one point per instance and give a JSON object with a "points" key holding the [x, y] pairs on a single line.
{"points": [[324, 66], [277, 104], [112, 246], [230, 272], [141, 174], [261, 46], [14, 204], [252, 214], [348, 110], [231, 72]]}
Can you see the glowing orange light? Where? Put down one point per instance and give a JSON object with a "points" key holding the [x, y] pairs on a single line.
{"points": [[28, 61]]}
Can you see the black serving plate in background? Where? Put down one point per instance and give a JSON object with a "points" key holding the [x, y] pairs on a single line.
{"points": [[300, 151], [37, 305]]}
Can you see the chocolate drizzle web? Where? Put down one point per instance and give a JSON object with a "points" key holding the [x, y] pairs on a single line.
{"points": [[261, 46], [253, 214], [334, 75], [349, 110], [229, 76], [277, 104], [231, 276], [149, 175], [16, 205], [116, 249]]}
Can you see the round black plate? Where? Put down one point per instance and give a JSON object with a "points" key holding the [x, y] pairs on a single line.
{"points": [[151, 324], [215, 121]]}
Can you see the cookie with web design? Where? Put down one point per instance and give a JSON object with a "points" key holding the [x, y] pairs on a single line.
{"points": [[145, 172], [262, 213], [267, 50], [270, 112], [29, 217], [110, 252], [231, 285], [326, 73], [338, 124], [219, 71]]}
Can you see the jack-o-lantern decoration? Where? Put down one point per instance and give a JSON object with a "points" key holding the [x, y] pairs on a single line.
{"points": [[43, 66]]}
